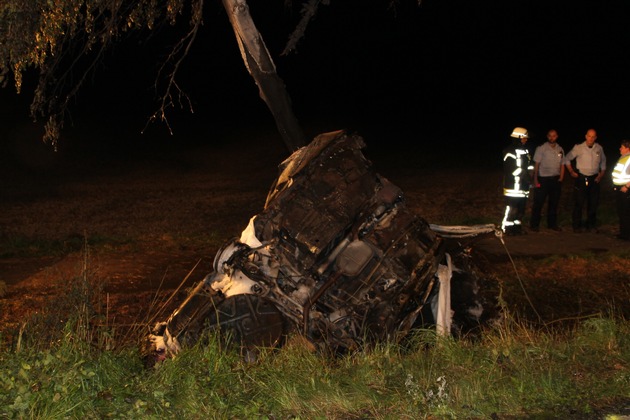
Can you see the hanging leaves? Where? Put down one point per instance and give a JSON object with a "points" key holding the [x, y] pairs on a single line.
{"points": [[57, 37]]}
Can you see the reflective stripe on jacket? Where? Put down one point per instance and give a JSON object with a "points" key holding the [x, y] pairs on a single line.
{"points": [[620, 175], [516, 180]]}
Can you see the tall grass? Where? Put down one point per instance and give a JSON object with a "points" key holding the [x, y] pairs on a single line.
{"points": [[512, 372], [74, 367]]}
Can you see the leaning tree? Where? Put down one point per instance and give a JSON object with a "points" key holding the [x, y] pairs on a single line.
{"points": [[61, 39]]}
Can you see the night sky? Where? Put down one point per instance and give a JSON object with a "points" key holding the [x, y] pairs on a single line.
{"points": [[448, 72]]}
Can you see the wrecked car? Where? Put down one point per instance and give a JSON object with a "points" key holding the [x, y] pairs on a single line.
{"points": [[335, 255]]}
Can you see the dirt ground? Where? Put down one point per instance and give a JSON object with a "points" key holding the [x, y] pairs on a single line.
{"points": [[143, 227]]}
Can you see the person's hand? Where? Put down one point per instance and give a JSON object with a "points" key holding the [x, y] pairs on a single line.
{"points": [[598, 178], [624, 189], [573, 174]]}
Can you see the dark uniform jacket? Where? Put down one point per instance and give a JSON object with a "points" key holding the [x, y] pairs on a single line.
{"points": [[517, 164]]}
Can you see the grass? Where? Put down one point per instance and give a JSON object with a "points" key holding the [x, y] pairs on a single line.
{"points": [[511, 372], [78, 367]]}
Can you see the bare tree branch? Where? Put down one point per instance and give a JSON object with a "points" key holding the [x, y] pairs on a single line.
{"points": [[308, 12], [177, 57]]}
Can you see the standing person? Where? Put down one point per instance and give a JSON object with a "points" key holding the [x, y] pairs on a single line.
{"points": [[621, 181], [516, 181], [590, 165], [548, 176]]}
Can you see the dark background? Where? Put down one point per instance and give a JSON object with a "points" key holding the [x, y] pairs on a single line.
{"points": [[451, 76]]}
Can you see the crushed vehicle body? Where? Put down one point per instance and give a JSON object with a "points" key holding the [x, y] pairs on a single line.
{"points": [[335, 255]]}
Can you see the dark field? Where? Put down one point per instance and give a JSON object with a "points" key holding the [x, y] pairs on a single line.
{"points": [[139, 223]]}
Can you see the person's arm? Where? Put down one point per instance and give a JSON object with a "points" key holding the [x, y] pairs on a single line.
{"points": [[536, 165], [573, 173], [561, 172], [567, 162], [602, 166], [600, 175]]}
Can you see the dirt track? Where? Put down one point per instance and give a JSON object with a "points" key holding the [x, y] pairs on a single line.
{"points": [[547, 243]]}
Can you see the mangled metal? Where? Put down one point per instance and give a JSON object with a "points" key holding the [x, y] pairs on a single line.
{"points": [[335, 255]]}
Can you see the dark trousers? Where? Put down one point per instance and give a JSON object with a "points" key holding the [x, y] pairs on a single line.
{"points": [[623, 210], [585, 191], [550, 187]]}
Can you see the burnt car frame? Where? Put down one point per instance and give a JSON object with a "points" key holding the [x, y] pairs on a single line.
{"points": [[335, 255]]}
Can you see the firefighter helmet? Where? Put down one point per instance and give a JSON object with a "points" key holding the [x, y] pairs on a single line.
{"points": [[519, 133]]}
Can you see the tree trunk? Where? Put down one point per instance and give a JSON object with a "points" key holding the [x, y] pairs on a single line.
{"points": [[261, 67]]}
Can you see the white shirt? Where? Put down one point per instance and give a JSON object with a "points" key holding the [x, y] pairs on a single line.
{"points": [[588, 160], [550, 159]]}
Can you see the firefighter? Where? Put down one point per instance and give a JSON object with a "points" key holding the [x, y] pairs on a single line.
{"points": [[621, 181], [517, 169]]}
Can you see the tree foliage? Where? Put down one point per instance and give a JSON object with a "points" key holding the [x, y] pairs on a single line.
{"points": [[63, 41]]}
